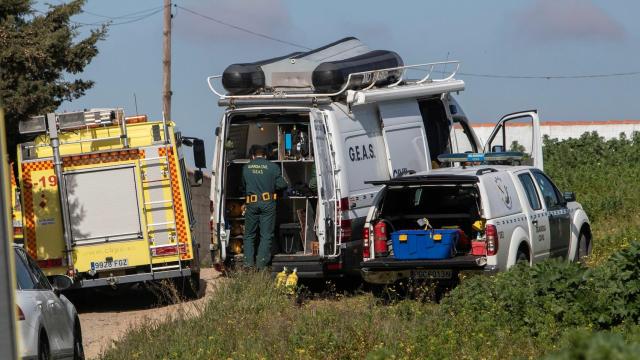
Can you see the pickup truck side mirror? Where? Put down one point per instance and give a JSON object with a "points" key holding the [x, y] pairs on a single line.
{"points": [[569, 196]]}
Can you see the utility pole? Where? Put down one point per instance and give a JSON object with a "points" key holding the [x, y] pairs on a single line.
{"points": [[166, 62]]}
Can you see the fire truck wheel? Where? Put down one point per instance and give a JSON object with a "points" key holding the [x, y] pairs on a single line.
{"points": [[189, 286]]}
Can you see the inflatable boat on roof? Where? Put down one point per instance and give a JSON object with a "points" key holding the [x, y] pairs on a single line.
{"points": [[322, 70]]}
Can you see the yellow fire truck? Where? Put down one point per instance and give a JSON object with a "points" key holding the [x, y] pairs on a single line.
{"points": [[16, 208], [106, 199]]}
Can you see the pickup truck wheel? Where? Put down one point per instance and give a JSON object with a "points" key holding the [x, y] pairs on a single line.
{"points": [[583, 248], [522, 256]]}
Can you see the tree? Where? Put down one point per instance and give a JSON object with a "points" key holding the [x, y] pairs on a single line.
{"points": [[38, 50]]}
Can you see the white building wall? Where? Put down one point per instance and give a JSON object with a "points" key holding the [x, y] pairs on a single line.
{"points": [[559, 130]]}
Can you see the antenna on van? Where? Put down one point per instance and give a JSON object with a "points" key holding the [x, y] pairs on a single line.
{"points": [[135, 101]]}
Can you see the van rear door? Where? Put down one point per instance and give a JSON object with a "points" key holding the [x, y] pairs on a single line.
{"points": [[404, 137], [219, 236], [218, 246], [518, 132], [326, 224]]}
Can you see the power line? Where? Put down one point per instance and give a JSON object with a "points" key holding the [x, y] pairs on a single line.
{"points": [[144, 14], [268, 37], [125, 16], [111, 23], [481, 75]]}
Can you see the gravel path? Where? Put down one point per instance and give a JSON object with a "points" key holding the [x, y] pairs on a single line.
{"points": [[106, 315]]}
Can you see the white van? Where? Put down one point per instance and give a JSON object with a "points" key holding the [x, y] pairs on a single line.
{"points": [[377, 125]]}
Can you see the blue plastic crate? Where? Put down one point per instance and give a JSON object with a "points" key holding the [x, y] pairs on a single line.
{"points": [[424, 244]]}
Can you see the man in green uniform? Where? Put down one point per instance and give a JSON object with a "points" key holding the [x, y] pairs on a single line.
{"points": [[261, 179]]}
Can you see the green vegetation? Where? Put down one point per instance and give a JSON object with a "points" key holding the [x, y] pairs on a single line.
{"points": [[38, 50], [554, 309], [605, 177]]}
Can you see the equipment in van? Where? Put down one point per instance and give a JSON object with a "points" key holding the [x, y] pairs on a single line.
{"points": [[289, 238], [301, 141]]}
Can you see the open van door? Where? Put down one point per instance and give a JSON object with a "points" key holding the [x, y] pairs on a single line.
{"points": [[404, 137], [327, 197], [219, 236], [518, 132]]}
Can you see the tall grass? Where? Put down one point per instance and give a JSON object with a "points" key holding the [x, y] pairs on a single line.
{"points": [[247, 318], [554, 309]]}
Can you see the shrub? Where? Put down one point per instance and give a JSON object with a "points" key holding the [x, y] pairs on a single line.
{"points": [[554, 295], [584, 345]]}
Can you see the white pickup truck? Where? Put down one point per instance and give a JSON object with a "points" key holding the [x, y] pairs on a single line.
{"points": [[508, 213]]}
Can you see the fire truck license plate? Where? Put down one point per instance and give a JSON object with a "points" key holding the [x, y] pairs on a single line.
{"points": [[432, 274], [106, 265]]}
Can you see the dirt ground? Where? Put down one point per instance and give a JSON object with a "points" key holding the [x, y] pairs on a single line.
{"points": [[106, 315]]}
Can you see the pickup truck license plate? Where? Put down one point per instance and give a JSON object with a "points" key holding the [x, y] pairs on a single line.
{"points": [[107, 265], [432, 274]]}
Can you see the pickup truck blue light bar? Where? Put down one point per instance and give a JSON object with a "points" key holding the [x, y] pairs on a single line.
{"points": [[482, 157]]}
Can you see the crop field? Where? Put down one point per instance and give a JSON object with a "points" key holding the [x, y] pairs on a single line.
{"points": [[554, 310]]}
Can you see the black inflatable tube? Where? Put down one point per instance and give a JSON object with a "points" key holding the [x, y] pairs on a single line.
{"points": [[331, 76], [247, 78]]}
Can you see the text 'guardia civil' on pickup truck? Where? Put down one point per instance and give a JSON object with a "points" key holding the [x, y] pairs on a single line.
{"points": [[331, 118], [483, 217]]}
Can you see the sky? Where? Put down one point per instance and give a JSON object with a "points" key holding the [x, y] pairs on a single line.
{"points": [[516, 37]]}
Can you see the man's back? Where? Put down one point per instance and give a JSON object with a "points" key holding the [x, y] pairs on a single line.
{"points": [[262, 176]]}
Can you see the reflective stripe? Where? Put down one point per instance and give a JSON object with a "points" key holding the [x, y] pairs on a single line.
{"points": [[250, 199]]}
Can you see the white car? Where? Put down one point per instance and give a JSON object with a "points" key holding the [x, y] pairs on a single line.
{"points": [[499, 214], [48, 324]]}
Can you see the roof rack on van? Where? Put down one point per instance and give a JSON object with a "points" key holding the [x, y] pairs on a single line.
{"points": [[367, 81]]}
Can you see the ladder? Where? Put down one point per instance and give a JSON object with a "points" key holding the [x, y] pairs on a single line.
{"points": [[163, 182]]}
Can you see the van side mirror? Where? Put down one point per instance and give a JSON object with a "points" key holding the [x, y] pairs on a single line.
{"points": [[198, 178], [569, 196], [199, 157], [218, 131], [497, 148], [61, 282]]}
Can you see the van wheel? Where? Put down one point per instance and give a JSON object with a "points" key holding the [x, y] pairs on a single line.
{"points": [[522, 256], [583, 248], [44, 353], [78, 348]]}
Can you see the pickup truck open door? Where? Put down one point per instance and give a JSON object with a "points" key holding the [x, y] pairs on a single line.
{"points": [[511, 129]]}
